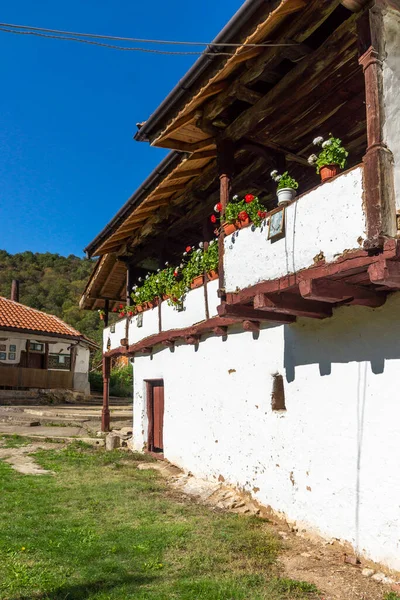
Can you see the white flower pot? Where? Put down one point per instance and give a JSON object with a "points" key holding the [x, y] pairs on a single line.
{"points": [[285, 195]]}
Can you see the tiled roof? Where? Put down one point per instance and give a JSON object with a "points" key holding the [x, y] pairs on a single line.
{"points": [[18, 316]]}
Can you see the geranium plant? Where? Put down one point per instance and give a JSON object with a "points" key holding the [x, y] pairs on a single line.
{"points": [[211, 256], [284, 181], [332, 153], [240, 210]]}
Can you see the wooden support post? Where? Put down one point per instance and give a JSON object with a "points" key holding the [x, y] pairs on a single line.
{"points": [[225, 160], [292, 304], [385, 272], [46, 355], [129, 284], [253, 326], [248, 313], [105, 413], [378, 160], [205, 238], [106, 311]]}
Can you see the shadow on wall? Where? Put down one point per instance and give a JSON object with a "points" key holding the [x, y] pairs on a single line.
{"points": [[353, 334]]}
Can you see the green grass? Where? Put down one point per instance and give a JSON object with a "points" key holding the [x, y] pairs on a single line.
{"points": [[102, 529], [391, 596], [14, 441]]}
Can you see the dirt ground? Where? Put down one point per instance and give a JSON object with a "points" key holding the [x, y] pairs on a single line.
{"points": [[313, 560]]}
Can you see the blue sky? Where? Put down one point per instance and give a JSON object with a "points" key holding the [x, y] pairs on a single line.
{"points": [[68, 113]]}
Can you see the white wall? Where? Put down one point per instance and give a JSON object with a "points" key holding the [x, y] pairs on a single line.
{"points": [[391, 87], [330, 462], [328, 219]]}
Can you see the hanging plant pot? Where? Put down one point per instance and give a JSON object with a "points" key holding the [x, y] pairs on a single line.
{"points": [[153, 303], [329, 171], [139, 308], [165, 296], [211, 275], [285, 195], [197, 282], [101, 317], [229, 228]]}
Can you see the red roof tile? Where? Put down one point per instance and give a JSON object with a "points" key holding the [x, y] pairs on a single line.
{"points": [[18, 316]]}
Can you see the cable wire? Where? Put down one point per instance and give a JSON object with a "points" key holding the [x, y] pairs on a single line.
{"points": [[79, 37]]}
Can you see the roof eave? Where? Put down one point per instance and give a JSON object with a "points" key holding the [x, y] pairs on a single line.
{"points": [[231, 29]]}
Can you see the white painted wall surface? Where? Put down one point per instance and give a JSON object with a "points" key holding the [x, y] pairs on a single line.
{"points": [[194, 312], [328, 219], [391, 87], [330, 462]]}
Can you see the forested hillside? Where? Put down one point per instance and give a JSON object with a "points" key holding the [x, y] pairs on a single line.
{"points": [[51, 283]]}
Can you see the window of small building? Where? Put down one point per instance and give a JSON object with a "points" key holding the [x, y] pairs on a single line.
{"points": [[35, 347], [60, 361]]}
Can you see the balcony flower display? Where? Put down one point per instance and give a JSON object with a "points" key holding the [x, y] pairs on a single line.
{"points": [[331, 159], [240, 213], [287, 186], [172, 283]]}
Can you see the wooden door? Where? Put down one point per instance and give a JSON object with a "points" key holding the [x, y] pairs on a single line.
{"points": [[155, 411]]}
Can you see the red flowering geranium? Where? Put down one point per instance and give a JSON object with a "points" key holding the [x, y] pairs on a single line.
{"points": [[188, 248], [262, 214], [213, 219], [114, 309], [130, 314], [218, 207], [121, 314], [243, 216], [249, 198]]}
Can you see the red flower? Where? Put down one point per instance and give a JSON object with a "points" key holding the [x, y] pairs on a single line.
{"points": [[213, 219], [175, 274], [262, 214], [121, 307], [121, 314], [249, 198], [130, 314], [243, 216], [114, 309], [218, 207], [188, 248]]}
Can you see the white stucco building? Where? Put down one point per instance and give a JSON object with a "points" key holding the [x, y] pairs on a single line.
{"points": [[280, 377], [40, 351]]}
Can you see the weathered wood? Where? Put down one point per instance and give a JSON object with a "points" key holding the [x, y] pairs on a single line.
{"points": [[385, 272], [314, 65], [220, 331], [244, 313], [253, 326], [328, 290], [192, 340], [105, 412], [292, 304], [380, 204]]}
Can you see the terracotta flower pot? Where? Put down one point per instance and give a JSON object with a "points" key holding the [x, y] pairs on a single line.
{"points": [[229, 228], [197, 282], [139, 308], [211, 275], [101, 317], [329, 171], [165, 297], [241, 224]]}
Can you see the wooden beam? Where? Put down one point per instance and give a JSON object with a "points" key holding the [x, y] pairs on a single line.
{"points": [[291, 304], [253, 326], [333, 291], [244, 313], [385, 272], [314, 62], [183, 174], [220, 331], [192, 340], [181, 146]]}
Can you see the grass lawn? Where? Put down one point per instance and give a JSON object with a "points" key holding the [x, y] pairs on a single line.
{"points": [[102, 529]]}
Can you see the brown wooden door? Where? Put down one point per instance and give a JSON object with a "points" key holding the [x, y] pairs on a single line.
{"points": [[155, 408]]}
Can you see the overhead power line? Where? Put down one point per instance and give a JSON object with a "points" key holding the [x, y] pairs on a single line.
{"points": [[75, 36]]}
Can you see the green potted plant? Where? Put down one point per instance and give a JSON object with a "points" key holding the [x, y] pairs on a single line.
{"points": [[210, 260], [331, 159], [240, 213], [286, 189], [193, 271]]}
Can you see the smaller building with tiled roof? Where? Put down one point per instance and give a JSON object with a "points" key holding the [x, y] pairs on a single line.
{"points": [[38, 350]]}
